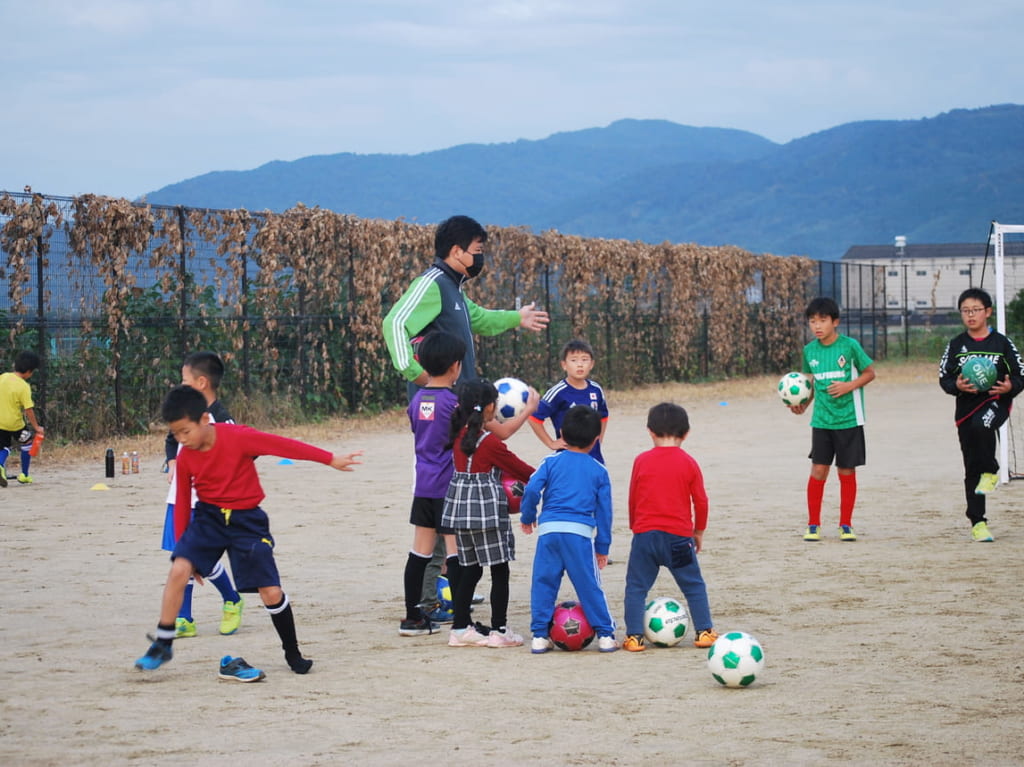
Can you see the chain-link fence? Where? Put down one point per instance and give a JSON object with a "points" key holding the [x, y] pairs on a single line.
{"points": [[113, 294]]}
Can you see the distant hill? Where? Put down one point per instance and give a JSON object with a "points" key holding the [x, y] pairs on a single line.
{"points": [[934, 180]]}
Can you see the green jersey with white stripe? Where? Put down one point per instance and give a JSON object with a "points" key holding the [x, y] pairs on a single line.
{"points": [[842, 360]]}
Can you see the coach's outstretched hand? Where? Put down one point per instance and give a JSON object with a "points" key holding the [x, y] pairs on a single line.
{"points": [[345, 462]]}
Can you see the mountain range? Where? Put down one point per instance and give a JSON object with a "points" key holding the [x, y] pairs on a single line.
{"points": [[937, 179]]}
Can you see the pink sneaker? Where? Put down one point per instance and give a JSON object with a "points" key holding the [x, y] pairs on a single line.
{"points": [[468, 637], [506, 638]]}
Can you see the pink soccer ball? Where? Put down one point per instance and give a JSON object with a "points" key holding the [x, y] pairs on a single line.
{"points": [[570, 629]]}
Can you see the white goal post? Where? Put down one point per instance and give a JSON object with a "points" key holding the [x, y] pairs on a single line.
{"points": [[998, 232]]}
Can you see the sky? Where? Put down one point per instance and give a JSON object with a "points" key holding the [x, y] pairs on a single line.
{"points": [[122, 97]]}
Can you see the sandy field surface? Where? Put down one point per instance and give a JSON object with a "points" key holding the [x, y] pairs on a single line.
{"points": [[902, 648]]}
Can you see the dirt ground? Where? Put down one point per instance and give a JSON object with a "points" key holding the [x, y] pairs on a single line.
{"points": [[902, 648]]}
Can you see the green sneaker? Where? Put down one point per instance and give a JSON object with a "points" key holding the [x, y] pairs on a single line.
{"points": [[25, 479], [184, 628], [812, 533], [846, 533], [231, 617], [986, 484], [3, 477], [980, 533]]}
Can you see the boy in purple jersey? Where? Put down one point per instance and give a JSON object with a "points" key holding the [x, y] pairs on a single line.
{"points": [[440, 354], [575, 389]]}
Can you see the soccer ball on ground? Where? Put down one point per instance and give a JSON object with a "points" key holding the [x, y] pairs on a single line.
{"points": [[570, 629], [665, 621], [795, 389], [735, 659], [512, 396], [444, 594], [980, 371]]}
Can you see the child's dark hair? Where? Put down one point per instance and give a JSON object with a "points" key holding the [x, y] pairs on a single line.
{"points": [[457, 230], [822, 307], [438, 351], [977, 294], [208, 365], [474, 397], [26, 362], [577, 345], [668, 420], [581, 426], [183, 402]]}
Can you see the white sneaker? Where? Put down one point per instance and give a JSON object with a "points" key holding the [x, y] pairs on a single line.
{"points": [[607, 644], [478, 599], [541, 644], [468, 637], [506, 638]]}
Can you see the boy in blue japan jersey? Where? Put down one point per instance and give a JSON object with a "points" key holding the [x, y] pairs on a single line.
{"points": [[979, 414], [575, 389]]}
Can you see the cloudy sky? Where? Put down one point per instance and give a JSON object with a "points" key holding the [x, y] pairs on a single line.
{"points": [[121, 97]]}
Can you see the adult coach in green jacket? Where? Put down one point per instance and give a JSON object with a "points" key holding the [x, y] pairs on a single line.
{"points": [[435, 301]]}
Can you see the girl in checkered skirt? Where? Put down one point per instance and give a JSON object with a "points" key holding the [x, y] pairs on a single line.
{"points": [[476, 507]]}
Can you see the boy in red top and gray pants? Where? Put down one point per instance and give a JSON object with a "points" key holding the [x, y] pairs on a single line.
{"points": [[668, 511]]}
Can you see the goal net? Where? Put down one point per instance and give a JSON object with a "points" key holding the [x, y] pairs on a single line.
{"points": [[1007, 241]]}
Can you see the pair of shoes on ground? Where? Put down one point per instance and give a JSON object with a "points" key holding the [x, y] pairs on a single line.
{"points": [[231, 619], [240, 671], [986, 484], [981, 534], [540, 644], [420, 627], [845, 533]]}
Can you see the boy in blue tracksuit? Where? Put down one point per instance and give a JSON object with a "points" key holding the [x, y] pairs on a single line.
{"points": [[577, 500]]}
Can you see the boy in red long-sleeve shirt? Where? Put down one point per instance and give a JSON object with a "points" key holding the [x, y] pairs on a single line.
{"points": [[218, 462], [668, 512]]}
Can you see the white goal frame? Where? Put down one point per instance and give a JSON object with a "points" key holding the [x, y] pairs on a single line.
{"points": [[998, 230]]}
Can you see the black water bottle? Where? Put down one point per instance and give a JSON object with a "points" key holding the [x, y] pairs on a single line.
{"points": [[110, 462]]}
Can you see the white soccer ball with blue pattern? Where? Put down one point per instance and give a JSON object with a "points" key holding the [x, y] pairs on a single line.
{"points": [[512, 396], [665, 621], [736, 659], [795, 389]]}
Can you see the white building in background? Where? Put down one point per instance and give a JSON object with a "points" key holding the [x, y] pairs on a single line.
{"points": [[929, 278]]}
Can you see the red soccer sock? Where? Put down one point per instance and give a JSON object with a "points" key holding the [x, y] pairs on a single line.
{"points": [[815, 492], [847, 498]]}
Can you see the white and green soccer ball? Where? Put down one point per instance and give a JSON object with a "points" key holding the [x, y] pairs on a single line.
{"points": [[736, 659], [665, 621], [795, 389]]}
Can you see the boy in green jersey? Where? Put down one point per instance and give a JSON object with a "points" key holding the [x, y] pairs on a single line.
{"points": [[839, 369]]}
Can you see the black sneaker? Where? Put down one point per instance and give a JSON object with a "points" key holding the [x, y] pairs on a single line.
{"points": [[408, 628]]}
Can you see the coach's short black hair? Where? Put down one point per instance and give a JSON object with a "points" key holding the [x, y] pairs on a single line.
{"points": [[457, 230], [206, 364], [438, 351], [976, 293], [183, 402], [26, 362], [581, 426], [822, 307], [668, 420]]}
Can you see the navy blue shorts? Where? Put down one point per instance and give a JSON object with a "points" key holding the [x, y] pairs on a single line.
{"points": [[243, 533], [846, 446]]}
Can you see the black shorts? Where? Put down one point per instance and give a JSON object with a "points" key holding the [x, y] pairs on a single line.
{"points": [[13, 438], [426, 512], [846, 446]]}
